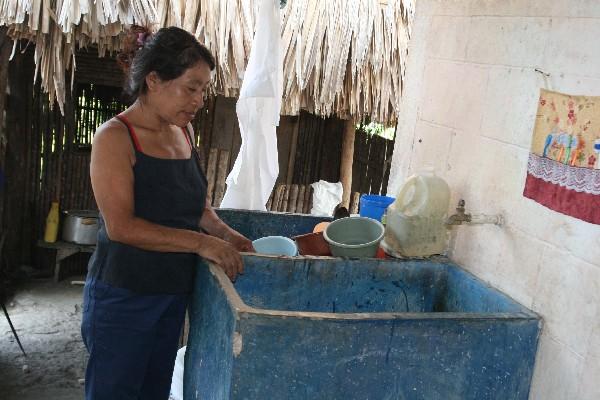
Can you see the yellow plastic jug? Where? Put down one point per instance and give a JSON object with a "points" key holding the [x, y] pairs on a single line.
{"points": [[416, 220], [51, 232]]}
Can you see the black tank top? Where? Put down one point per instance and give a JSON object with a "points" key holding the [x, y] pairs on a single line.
{"points": [[168, 192]]}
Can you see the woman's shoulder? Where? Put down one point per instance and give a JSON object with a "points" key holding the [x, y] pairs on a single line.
{"points": [[112, 141], [112, 132]]}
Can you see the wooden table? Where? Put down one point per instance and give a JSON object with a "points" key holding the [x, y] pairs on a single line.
{"points": [[64, 250]]}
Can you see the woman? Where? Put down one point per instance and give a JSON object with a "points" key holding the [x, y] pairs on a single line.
{"points": [[155, 220]]}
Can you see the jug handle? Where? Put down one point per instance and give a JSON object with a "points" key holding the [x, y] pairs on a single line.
{"points": [[412, 204]]}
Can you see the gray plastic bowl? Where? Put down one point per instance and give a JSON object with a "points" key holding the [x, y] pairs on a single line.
{"points": [[354, 237]]}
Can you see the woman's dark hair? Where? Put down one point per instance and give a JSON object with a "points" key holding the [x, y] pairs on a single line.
{"points": [[169, 52]]}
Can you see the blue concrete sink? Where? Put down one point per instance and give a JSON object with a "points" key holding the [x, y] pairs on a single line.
{"points": [[324, 328]]}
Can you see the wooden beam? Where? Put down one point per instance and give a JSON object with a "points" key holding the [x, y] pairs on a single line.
{"points": [[277, 198], [346, 161], [292, 155], [18, 128], [300, 203], [211, 172], [354, 203], [293, 199], [285, 199], [221, 177], [5, 49]]}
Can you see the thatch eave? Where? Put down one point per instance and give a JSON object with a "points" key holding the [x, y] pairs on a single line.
{"points": [[343, 57]]}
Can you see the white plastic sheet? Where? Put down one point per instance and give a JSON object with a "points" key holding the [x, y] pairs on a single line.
{"points": [[177, 379], [255, 171], [326, 196]]}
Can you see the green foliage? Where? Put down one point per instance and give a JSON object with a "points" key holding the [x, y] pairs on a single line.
{"points": [[373, 128]]}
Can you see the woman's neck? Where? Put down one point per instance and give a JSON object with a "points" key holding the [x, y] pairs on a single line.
{"points": [[148, 118]]}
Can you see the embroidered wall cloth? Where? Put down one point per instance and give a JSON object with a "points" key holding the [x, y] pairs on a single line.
{"points": [[563, 171]]}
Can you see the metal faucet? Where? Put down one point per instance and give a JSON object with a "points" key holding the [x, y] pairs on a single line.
{"points": [[463, 218], [460, 216]]}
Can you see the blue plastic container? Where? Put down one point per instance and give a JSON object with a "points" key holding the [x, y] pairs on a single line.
{"points": [[373, 206]]}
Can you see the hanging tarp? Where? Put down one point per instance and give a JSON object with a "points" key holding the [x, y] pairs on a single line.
{"points": [[255, 171]]}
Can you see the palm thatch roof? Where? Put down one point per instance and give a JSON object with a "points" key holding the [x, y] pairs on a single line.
{"points": [[340, 56]]}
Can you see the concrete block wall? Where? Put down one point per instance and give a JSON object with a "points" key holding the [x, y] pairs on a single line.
{"points": [[468, 109]]}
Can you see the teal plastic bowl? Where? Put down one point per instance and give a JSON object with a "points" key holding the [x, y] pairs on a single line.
{"points": [[354, 237]]}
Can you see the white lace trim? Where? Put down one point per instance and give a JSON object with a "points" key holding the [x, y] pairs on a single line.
{"points": [[585, 180]]}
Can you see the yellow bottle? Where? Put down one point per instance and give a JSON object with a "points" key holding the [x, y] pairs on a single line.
{"points": [[51, 231]]}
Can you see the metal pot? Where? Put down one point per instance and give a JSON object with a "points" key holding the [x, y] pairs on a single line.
{"points": [[80, 226]]}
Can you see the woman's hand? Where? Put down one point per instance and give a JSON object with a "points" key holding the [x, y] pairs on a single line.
{"points": [[213, 225], [239, 241], [222, 254]]}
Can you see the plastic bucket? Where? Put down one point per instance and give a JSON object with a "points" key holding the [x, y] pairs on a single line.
{"points": [[354, 237], [276, 245], [373, 206]]}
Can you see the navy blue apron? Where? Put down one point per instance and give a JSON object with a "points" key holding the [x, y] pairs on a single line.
{"points": [[134, 299]]}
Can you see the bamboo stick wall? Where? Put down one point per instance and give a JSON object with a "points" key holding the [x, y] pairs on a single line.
{"points": [[47, 157], [372, 162]]}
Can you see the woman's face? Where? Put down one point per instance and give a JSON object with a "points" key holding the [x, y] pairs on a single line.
{"points": [[177, 101]]}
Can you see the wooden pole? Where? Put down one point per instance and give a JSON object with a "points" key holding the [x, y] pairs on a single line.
{"points": [[286, 196], [346, 161], [300, 203], [221, 177], [211, 172], [270, 201], [5, 48], [354, 203], [277, 198], [308, 199], [293, 199], [292, 156]]}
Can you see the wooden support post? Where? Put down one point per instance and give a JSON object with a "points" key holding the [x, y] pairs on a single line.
{"points": [[270, 201], [347, 160], [221, 176], [300, 203], [293, 199], [292, 156], [308, 199], [211, 172], [277, 198], [354, 203], [286, 196], [5, 48]]}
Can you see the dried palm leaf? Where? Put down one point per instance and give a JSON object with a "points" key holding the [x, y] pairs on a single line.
{"points": [[340, 56]]}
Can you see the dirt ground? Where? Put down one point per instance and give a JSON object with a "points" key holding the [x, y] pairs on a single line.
{"points": [[47, 317]]}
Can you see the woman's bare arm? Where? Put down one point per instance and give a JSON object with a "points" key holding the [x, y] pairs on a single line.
{"points": [[112, 178]]}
